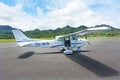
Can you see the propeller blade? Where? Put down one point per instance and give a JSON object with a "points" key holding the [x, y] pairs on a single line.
{"points": [[89, 43]]}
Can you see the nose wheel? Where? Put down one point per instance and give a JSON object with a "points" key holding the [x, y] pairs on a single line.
{"points": [[78, 49], [67, 51]]}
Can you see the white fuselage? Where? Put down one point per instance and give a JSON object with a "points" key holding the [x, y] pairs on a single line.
{"points": [[53, 43], [64, 41]]}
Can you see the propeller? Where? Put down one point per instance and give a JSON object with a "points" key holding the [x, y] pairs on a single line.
{"points": [[89, 43]]}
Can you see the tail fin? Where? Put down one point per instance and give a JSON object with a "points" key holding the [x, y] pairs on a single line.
{"points": [[20, 36]]}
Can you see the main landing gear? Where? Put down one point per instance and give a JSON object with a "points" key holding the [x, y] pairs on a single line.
{"points": [[67, 51]]}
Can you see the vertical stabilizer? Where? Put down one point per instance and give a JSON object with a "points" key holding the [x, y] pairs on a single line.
{"points": [[20, 36]]}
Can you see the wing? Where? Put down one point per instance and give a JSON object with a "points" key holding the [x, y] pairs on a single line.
{"points": [[87, 31]]}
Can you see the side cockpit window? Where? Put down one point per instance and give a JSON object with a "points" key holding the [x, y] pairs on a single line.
{"points": [[74, 37]]}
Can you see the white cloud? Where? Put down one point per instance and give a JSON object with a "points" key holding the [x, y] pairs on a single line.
{"points": [[108, 9], [72, 12], [16, 17]]}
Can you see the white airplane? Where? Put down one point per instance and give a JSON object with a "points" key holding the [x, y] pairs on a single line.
{"points": [[66, 43]]}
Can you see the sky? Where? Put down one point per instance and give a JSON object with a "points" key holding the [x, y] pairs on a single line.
{"points": [[52, 14]]}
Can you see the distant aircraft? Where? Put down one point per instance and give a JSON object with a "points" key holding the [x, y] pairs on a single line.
{"points": [[65, 43]]}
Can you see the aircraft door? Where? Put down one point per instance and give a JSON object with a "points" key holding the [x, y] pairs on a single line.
{"points": [[74, 40], [67, 41]]}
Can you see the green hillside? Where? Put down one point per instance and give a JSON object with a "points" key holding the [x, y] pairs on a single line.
{"points": [[108, 33], [68, 29], [5, 32], [52, 33]]}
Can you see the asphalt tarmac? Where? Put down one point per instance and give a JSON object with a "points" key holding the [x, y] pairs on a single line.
{"points": [[99, 61]]}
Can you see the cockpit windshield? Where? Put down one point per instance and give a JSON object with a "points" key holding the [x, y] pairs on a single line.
{"points": [[72, 37], [59, 38]]}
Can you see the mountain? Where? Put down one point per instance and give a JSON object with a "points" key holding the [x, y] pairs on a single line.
{"points": [[52, 33], [5, 32], [109, 33], [5, 29], [68, 29], [82, 27]]}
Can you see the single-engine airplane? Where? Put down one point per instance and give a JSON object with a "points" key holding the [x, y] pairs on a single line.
{"points": [[65, 43]]}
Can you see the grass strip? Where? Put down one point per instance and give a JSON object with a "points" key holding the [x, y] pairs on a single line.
{"points": [[89, 38], [7, 40]]}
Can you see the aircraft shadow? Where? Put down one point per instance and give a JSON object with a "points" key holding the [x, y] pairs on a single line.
{"points": [[92, 65], [26, 55], [31, 53], [59, 52], [49, 53]]}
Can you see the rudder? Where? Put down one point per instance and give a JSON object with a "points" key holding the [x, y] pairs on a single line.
{"points": [[20, 36]]}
